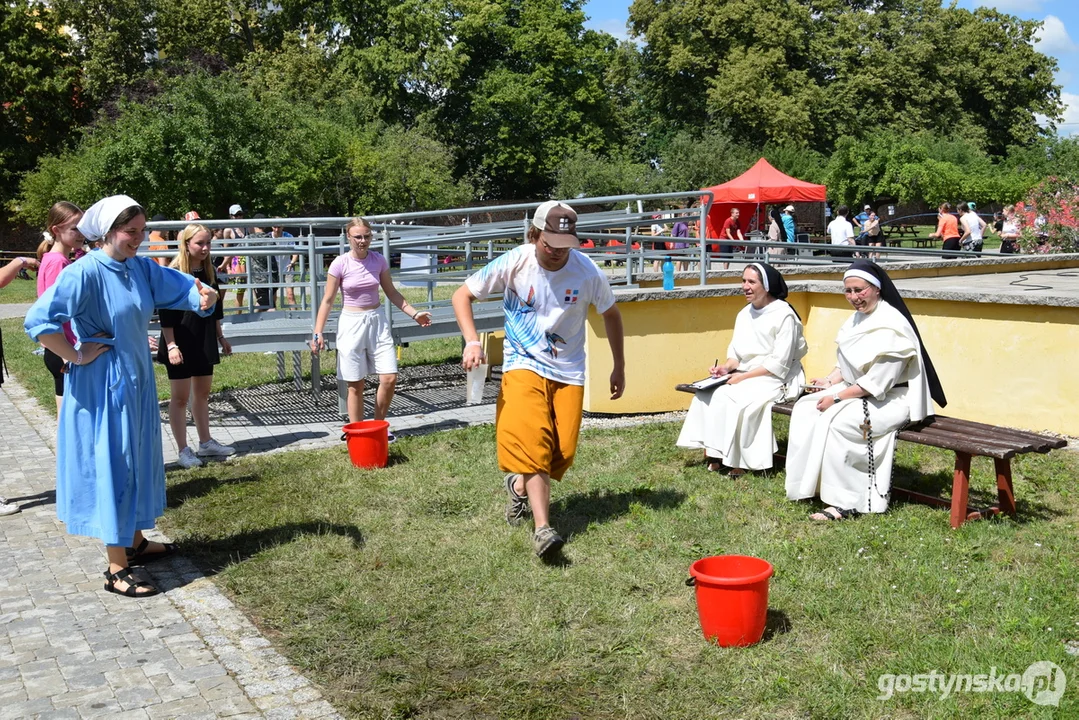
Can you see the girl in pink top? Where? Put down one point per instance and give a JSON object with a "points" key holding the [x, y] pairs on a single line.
{"points": [[364, 343], [61, 239]]}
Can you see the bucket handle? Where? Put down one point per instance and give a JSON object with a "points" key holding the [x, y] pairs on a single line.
{"points": [[344, 437], [690, 582]]}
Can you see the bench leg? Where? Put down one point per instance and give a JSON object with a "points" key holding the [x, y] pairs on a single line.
{"points": [[1005, 493], [960, 488]]}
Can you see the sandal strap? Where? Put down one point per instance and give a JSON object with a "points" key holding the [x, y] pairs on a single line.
{"points": [[133, 583], [135, 552]]}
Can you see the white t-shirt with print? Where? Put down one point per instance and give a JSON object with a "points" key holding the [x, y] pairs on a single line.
{"points": [[545, 310], [841, 230]]}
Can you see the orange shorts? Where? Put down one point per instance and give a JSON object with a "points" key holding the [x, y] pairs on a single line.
{"points": [[536, 424]]}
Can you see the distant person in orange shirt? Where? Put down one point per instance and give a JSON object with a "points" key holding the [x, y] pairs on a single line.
{"points": [[159, 240], [947, 229]]}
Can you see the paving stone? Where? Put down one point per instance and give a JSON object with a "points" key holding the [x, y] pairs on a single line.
{"points": [[68, 649]]}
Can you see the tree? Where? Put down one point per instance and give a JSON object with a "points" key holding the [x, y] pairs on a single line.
{"points": [[811, 71], [585, 173], [40, 101], [115, 41], [919, 167], [697, 160], [207, 141], [187, 27]]}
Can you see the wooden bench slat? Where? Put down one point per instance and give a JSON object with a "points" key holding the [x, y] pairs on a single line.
{"points": [[939, 437], [1039, 442], [974, 433]]}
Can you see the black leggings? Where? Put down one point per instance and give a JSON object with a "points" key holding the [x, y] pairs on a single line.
{"points": [[55, 365], [951, 243]]}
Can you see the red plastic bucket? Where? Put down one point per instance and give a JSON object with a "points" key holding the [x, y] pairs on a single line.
{"points": [[368, 443], [732, 597]]}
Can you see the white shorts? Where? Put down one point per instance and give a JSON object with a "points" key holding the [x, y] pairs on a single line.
{"points": [[364, 346]]}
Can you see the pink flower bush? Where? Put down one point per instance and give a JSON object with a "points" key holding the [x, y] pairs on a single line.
{"points": [[1049, 219]]}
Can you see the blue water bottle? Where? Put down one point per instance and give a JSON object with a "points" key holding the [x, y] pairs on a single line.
{"points": [[668, 274]]}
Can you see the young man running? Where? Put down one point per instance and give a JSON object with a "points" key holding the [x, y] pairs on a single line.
{"points": [[547, 287]]}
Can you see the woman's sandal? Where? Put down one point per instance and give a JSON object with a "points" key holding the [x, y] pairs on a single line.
{"points": [[736, 472], [136, 556], [835, 514], [135, 588]]}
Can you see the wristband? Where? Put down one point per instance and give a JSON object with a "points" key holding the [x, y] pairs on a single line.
{"points": [[78, 357], [835, 398], [477, 343], [172, 346], [315, 336]]}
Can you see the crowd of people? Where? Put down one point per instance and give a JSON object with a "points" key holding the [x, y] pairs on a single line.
{"points": [[92, 317]]}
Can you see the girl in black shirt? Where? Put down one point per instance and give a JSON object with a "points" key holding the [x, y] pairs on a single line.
{"points": [[189, 351]]}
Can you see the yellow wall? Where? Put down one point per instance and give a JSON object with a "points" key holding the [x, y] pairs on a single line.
{"points": [[1011, 365], [667, 342]]}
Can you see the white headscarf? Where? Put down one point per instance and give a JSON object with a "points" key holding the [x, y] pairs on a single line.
{"points": [[99, 218]]}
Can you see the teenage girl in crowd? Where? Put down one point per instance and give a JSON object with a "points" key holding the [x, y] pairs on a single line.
{"points": [[188, 350], [364, 343], [54, 253]]}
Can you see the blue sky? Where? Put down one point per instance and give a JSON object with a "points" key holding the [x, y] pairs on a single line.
{"points": [[1059, 38]]}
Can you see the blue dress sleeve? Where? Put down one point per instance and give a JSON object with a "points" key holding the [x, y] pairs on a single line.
{"points": [[65, 299], [173, 290]]}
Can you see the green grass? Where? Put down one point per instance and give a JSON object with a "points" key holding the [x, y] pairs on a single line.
{"points": [[404, 594], [18, 291], [237, 371]]}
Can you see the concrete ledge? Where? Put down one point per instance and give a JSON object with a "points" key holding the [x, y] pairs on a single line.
{"points": [[936, 267]]}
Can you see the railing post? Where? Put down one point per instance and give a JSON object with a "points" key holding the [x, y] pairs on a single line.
{"points": [[702, 233], [629, 259], [386, 254]]}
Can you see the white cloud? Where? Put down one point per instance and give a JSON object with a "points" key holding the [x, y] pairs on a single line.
{"points": [[1070, 122], [1053, 38]]}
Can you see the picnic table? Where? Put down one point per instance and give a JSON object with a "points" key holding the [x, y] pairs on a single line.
{"points": [[900, 229]]}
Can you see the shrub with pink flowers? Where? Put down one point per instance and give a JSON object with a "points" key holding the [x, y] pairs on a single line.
{"points": [[1049, 219]]}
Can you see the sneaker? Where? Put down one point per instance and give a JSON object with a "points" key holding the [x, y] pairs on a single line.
{"points": [[517, 507], [188, 459], [390, 437], [212, 448], [546, 541], [7, 508]]}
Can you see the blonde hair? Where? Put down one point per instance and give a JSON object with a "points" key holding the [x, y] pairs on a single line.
{"points": [[182, 261], [358, 222], [59, 213]]}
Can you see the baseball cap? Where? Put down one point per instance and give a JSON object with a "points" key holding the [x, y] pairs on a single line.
{"points": [[235, 210], [191, 215], [558, 222], [789, 208], [868, 207], [158, 218]]}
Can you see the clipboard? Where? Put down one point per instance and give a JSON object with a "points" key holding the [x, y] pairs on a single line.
{"points": [[708, 383]]}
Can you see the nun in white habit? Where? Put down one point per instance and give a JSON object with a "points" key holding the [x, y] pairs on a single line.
{"points": [[733, 423], [842, 438]]}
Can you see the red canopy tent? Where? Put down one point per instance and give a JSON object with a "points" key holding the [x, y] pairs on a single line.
{"points": [[761, 185]]}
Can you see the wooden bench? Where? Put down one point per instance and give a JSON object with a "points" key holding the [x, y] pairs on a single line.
{"points": [[967, 439]]}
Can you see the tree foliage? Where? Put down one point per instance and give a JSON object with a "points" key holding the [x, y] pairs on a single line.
{"points": [[342, 106], [206, 142], [811, 71], [40, 101]]}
